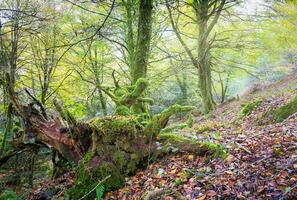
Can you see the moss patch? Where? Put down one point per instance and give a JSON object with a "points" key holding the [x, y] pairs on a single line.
{"points": [[247, 108], [282, 113], [118, 149], [122, 110], [209, 126], [182, 143]]}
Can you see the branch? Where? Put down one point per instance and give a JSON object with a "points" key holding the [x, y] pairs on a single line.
{"points": [[37, 102], [188, 51], [216, 18]]}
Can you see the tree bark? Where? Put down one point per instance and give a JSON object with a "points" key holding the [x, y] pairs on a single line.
{"points": [[142, 49], [204, 55], [8, 127]]}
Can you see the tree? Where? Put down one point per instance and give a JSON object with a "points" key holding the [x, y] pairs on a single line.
{"points": [[142, 49], [207, 14]]}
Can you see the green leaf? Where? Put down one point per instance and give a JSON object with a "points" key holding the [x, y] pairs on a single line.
{"points": [[67, 196], [99, 191]]}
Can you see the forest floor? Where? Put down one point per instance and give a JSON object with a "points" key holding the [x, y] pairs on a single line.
{"points": [[261, 162]]}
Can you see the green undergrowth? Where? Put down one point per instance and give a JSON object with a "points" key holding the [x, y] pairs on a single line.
{"points": [[249, 107], [283, 112]]}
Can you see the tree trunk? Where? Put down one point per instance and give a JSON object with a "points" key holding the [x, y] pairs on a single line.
{"points": [[139, 70], [204, 56], [103, 102], [8, 127]]}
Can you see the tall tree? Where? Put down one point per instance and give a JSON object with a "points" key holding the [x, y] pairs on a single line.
{"points": [[207, 14]]}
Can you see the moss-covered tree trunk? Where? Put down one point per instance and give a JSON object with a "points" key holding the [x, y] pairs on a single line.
{"points": [[207, 14], [204, 56], [142, 49]]}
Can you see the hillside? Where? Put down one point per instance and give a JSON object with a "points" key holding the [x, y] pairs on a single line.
{"points": [[148, 99], [261, 162]]}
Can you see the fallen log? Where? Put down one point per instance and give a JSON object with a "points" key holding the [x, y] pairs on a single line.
{"points": [[113, 146]]}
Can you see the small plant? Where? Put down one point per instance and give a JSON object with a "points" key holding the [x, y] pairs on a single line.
{"points": [[249, 107]]}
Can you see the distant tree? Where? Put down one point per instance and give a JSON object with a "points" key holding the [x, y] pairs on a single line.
{"points": [[207, 14]]}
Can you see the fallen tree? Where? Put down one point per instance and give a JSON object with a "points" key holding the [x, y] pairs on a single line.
{"points": [[114, 146]]}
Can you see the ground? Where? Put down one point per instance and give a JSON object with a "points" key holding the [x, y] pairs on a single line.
{"points": [[261, 161]]}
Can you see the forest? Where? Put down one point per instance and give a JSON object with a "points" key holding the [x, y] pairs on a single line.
{"points": [[148, 99]]}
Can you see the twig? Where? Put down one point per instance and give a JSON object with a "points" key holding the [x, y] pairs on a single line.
{"points": [[243, 148], [156, 193], [103, 180], [36, 101]]}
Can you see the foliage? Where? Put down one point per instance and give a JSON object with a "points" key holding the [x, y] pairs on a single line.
{"points": [[99, 192]]}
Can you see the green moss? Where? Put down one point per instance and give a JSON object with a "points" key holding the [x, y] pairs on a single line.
{"points": [[247, 108], [174, 137], [8, 195], [190, 120], [119, 159], [87, 178], [110, 128], [16, 129], [117, 150], [105, 169], [121, 92], [285, 111], [84, 181], [216, 150], [210, 126], [122, 110], [192, 145], [159, 121], [132, 165], [173, 128]]}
